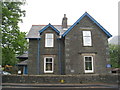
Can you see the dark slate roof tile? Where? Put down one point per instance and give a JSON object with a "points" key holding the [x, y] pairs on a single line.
{"points": [[34, 31], [23, 62]]}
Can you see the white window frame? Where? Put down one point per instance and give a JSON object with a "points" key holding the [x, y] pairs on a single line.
{"points": [[88, 71], [45, 65], [46, 40], [85, 37]]}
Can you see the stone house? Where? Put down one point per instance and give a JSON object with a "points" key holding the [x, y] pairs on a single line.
{"points": [[81, 48]]}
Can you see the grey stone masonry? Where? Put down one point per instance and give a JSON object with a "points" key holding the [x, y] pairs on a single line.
{"points": [[56, 79], [68, 51], [74, 43]]}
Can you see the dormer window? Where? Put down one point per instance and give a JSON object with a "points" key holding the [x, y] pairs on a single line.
{"points": [[87, 38], [49, 40]]}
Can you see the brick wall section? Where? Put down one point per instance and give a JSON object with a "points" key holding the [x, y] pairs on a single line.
{"points": [[55, 79]]}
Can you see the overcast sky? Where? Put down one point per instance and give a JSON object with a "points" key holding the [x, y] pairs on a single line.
{"points": [[43, 12]]}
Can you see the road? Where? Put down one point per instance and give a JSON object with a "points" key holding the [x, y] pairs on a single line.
{"points": [[54, 88], [14, 86]]}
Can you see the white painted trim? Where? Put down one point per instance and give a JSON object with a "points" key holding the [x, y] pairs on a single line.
{"points": [[89, 71], [84, 43], [52, 45], [45, 65]]}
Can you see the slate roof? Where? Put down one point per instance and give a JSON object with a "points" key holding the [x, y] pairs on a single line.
{"points": [[25, 56], [23, 62], [34, 31]]}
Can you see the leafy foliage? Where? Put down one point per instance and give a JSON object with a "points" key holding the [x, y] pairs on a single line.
{"points": [[13, 41], [115, 55]]}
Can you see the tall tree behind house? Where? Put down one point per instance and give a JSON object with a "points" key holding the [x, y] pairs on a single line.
{"points": [[13, 41]]}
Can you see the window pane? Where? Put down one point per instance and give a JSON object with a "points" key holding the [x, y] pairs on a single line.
{"points": [[49, 35], [49, 42], [48, 66], [87, 59], [88, 65], [86, 33], [48, 60], [87, 41], [87, 38]]}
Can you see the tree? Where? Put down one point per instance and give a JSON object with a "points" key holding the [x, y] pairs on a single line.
{"points": [[13, 41], [115, 55]]}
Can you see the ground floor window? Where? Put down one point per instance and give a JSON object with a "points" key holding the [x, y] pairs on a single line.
{"points": [[48, 65], [88, 64]]}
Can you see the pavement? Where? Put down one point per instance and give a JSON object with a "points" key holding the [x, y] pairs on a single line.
{"points": [[90, 85]]}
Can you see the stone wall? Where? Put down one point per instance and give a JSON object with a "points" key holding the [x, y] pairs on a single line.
{"points": [[36, 55], [58, 79], [69, 52], [75, 50]]}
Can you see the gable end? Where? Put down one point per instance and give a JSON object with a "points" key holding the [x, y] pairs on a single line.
{"points": [[49, 25], [86, 14]]}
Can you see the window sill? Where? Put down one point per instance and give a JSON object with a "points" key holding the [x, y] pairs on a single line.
{"points": [[48, 72], [48, 47], [87, 46], [89, 72]]}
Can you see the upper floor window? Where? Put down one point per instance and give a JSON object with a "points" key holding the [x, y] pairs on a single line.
{"points": [[49, 40], [87, 38]]}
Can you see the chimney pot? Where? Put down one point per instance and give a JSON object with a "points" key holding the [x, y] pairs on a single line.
{"points": [[64, 22], [64, 15]]}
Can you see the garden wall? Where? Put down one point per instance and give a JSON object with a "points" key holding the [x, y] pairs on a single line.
{"points": [[56, 79]]}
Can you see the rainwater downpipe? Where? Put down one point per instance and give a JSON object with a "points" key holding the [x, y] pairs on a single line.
{"points": [[59, 55], [38, 57]]}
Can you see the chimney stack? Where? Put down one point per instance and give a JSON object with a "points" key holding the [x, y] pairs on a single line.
{"points": [[64, 22]]}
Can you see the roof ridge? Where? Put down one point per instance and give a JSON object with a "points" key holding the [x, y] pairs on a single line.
{"points": [[38, 25], [46, 25]]}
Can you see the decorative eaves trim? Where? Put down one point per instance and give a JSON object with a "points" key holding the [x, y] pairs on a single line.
{"points": [[86, 14], [49, 25]]}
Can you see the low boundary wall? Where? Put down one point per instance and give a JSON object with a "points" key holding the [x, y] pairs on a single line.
{"points": [[56, 79]]}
